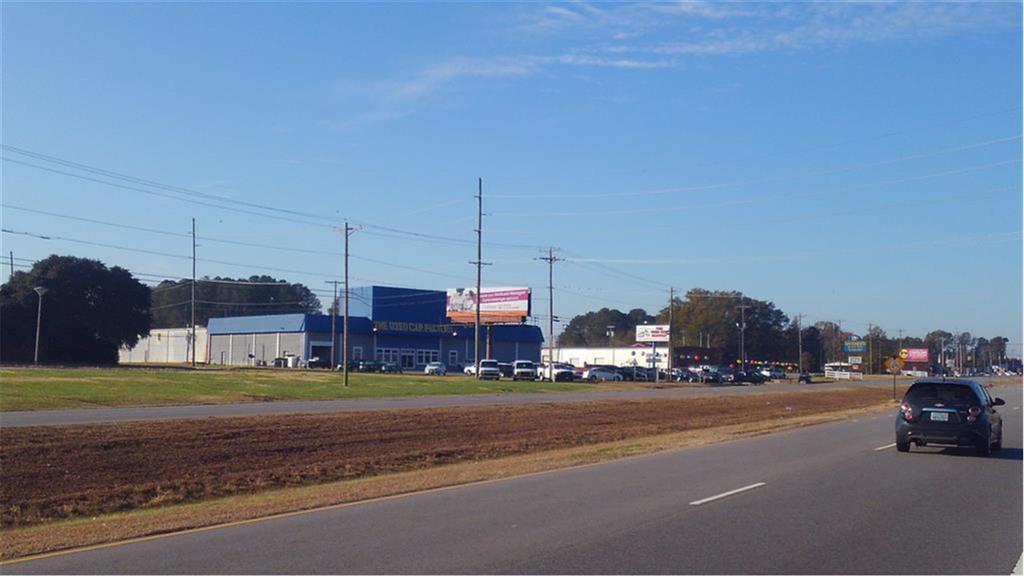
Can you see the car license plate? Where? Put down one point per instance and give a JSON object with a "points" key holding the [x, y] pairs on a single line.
{"points": [[940, 417]]}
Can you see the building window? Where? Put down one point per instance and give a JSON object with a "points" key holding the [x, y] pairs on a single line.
{"points": [[357, 353], [453, 357]]}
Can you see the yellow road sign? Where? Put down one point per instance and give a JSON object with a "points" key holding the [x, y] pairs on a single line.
{"points": [[894, 365]]}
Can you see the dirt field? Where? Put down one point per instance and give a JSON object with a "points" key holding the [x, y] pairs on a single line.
{"points": [[52, 473]]}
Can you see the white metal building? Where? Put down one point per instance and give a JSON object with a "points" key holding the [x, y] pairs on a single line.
{"points": [[166, 346]]}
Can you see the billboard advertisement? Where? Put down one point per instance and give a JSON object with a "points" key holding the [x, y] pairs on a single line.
{"points": [[855, 346], [497, 305], [652, 333], [914, 354]]}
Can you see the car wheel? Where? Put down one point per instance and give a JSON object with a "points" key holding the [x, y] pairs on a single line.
{"points": [[902, 446], [985, 447]]}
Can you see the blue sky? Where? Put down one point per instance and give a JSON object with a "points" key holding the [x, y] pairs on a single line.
{"points": [[857, 162]]}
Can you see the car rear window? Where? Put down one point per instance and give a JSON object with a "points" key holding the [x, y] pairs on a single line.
{"points": [[946, 393]]}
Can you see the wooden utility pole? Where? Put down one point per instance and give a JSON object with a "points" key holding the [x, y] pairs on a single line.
{"points": [[479, 262], [193, 293], [671, 310], [344, 325], [551, 259], [799, 345]]}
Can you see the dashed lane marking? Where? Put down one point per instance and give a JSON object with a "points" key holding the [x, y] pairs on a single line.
{"points": [[725, 494], [886, 447]]}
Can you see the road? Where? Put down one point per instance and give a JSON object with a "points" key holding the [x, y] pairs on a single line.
{"points": [[833, 498], [100, 415]]}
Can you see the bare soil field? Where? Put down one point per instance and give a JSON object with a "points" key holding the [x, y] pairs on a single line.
{"points": [[55, 473]]}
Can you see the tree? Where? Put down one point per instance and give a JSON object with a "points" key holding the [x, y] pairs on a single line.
{"points": [[591, 329], [715, 318], [220, 297], [89, 312]]}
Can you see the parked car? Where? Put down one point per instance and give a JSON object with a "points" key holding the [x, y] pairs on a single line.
{"points": [[949, 412], [370, 366], [805, 378], [436, 369], [597, 374], [317, 362], [490, 370], [390, 368], [563, 372], [773, 373], [524, 370], [747, 377], [507, 369]]}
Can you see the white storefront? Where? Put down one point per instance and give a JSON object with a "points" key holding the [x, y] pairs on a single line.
{"points": [[637, 355]]}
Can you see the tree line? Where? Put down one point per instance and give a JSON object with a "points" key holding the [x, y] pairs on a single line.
{"points": [[90, 311], [710, 321]]}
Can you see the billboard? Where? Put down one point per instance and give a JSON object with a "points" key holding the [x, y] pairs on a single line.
{"points": [[855, 346], [914, 354], [652, 333], [855, 359], [497, 305]]}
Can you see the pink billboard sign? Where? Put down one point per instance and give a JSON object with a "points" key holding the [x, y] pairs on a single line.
{"points": [[915, 355]]}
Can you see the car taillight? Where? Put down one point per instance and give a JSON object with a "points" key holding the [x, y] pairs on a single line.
{"points": [[973, 413], [908, 411]]}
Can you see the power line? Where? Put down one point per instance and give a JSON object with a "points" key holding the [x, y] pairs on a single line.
{"points": [[207, 199]]}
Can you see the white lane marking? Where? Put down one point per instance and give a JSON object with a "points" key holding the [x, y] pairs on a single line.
{"points": [[1016, 407], [1017, 568], [724, 494], [886, 447]]}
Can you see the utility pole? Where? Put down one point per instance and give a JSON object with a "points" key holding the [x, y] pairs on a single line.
{"points": [[479, 262], [550, 259], [334, 331], [193, 292], [344, 326], [870, 357], [671, 306], [743, 328], [799, 345], [12, 263]]}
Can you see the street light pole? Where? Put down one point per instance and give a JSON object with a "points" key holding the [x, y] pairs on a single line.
{"points": [[40, 290], [743, 330]]}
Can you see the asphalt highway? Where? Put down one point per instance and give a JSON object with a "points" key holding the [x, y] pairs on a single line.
{"points": [[832, 498], [100, 415]]}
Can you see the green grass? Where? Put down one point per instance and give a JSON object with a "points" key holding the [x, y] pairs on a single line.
{"points": [[48, 388]]}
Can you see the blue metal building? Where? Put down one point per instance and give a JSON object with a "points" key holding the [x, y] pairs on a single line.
{"points": [[400, 325]]}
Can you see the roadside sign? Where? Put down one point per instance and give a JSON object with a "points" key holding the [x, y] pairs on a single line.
{"points": [[894, 365], [855, 359], [855, 346], [652, 333], [914, 354]]}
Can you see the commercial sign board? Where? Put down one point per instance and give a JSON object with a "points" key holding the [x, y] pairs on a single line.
{"points": [[914, 354], [497, 305], [652, 333], [855, 346], [855, 359]]}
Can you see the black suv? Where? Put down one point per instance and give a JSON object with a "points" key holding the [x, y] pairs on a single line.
{"points": [[949, 412]]}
